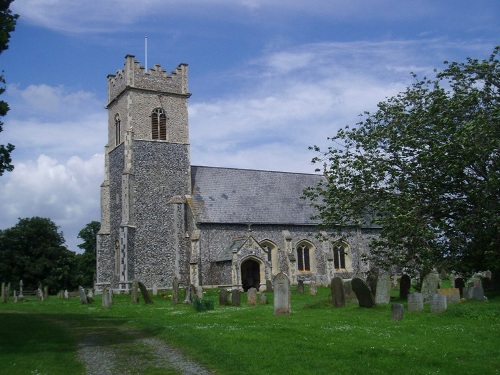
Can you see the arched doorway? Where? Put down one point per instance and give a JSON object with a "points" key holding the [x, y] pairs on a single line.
{"points": [[250, 274]]}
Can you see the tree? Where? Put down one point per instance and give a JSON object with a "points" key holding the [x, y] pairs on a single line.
{"points": [[7, 25], [87, 261], [425, 167], [33, 251]]}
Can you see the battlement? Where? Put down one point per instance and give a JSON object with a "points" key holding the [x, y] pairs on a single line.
{"points": [[133, 75]]}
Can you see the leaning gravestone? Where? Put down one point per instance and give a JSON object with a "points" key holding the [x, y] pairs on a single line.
{"points": [[83, 296], [235, 297], [383, 295], [363, 292], [145, 293], [252, 297], [430, 285], [438, 303], [313, 290], [338, 292], [300, 286], [134, 298], [415, 302], [404, 286], [397, 310], [281, 287], [175, 291], [223, 297]]}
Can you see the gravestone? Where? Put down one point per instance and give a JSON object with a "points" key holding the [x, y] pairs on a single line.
{"points": [[460, 285], [263, 299], [438, 303], [281, 287], [4, 294], [349, 294], [430, 285], [269, 286], [187, 298], [199, 292], [252, 297], [415, 302], [134, 292], [404, 286], [383, 295], [313, 290], [363, 293], [66, 294], [223, 297], [155, 290], [397, 310], [452, 294], [235, 297], [300, 287], [40, 294], [83, 296], [145, 293], [338, 292], [105, 297], [45, 292], [371, 280], [175, 291]]}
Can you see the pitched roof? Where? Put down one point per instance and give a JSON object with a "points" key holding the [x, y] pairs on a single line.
{"points": [[228, 195]]}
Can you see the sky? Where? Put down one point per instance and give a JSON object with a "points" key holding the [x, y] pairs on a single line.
{"points": [[268, 78]]}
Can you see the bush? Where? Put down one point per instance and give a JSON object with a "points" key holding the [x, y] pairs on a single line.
{"points": [[203, 304]]}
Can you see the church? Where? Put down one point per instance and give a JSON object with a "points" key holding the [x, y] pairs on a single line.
{"points": [[163, 218]]}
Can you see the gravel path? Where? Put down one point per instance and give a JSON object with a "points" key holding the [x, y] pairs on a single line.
{"points": [[102, 357]]}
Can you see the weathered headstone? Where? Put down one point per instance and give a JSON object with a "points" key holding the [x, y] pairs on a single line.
{"points": [[66, 294], [223, 297], [300, 287], [105, 297], [199, 292], [338, 292], [145, 294], [438, 303], [281, 287], [235, 297], [452, 294], [415, 302], [430, 285], [39, 293], [397, 310], [383, 295], [371, 280], [269, 286], [4, 294], [263, 299], [45, 292], [363, 292], [155, 290], [83, 296], [134, 291], [313, 290], [404, 286], [187, 298], [252, 297], [175, 291]]}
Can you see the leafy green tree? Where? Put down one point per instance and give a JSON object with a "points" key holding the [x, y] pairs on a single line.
{"points": [[87, 261], [425, 168], [7, 25], [33, 251]]}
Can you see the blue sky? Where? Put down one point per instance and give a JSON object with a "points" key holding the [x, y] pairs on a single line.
{"points": [[268, 78]]}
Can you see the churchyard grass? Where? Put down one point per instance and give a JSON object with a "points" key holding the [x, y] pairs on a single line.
{"points": [[314, 339]]}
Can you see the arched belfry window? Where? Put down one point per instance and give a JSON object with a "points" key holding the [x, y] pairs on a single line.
{"points": [[159, 124], [117, 130]]}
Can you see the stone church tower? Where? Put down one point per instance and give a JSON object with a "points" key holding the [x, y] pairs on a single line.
{"points": [[147, 174]]}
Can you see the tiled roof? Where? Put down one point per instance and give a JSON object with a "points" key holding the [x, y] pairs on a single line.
{"points": [[227, 195]]}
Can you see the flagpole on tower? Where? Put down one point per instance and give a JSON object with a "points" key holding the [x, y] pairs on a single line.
{"points": [[146, 53]]}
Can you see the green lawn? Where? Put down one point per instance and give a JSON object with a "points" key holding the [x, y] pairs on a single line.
{"points": [[41, 337]]}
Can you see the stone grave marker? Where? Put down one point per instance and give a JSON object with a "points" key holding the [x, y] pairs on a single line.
{"points": [[383, 295], [300, 287], [269, 286], [45, 292], [39, 294], [438, 303], [452, 294], [263, 299], [397, 310], [145, 293], [281, 287], [363, 292], [155, 290], [338, 292], [134, 291], [199, 292], [66, 294], [404, 286], [252, 297], [430, 285], [235, 297], [223, 297], [187, 298], [371, 280], [175, 291], [349, 294], [313, 289], [83, 296], [105, 297], [4, 294], [460, 285], [415, 302]]}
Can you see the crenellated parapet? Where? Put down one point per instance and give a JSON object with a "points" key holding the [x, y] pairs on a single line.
{"points": [[135, 76]]}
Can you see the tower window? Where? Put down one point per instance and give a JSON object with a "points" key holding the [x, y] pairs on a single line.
{"points": [[117, 130], [159, 124]]}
